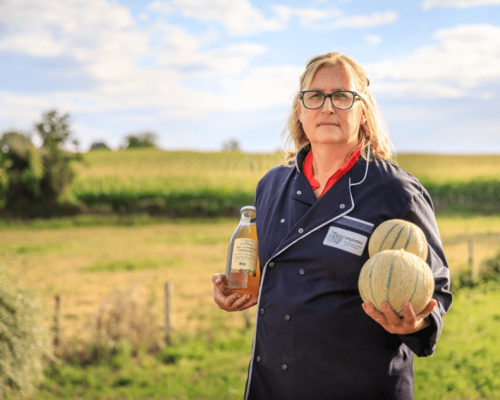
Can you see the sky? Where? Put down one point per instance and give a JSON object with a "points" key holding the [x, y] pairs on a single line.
{"points": [[201, 72]]}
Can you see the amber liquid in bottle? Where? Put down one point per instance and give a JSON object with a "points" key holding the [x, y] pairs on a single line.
{"points": [[243, 269]]}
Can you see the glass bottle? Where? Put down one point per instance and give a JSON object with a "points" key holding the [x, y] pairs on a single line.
{"points": [[242, 270]]}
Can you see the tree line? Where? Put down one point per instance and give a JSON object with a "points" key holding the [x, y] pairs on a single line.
{"points": [[35, 181]]}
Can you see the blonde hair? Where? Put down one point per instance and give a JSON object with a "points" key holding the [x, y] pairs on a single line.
{"points": [[372, 133]]}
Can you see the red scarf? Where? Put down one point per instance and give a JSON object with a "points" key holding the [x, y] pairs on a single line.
{"points": [[309, 174]]}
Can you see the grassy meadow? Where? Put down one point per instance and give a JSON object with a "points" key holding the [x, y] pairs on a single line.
{"points": [[100, 264], [90, 265], [84, 264]]}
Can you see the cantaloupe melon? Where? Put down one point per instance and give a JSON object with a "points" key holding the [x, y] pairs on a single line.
{"points": [[396, 234], [395, 276]]}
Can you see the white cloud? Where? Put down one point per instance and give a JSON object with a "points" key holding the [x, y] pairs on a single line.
{"points": [[464, 58], [238, 17], [307, 16], [332, 18], [428, 4], [264, 87], [373, 39], [366, 21], [134, 67]]}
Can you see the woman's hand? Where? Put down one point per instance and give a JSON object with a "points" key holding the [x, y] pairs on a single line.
{"points": [[226, 299], [393, 323]]}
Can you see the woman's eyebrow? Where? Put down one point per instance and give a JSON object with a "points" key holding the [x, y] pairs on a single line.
{"points": [[334, 90]]}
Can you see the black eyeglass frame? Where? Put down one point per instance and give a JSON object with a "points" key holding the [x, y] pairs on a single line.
{"points": [[355, 94]]}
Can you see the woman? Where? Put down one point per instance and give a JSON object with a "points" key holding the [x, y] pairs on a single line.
{"points": [[314, 337]]}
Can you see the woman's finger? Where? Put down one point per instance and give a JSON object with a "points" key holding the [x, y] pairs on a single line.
{"points": [[427, 310], [237, 302], [392, 317]]}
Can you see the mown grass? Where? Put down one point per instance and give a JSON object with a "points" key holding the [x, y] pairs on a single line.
{"points": [[194, 368], [209, 184], [134, 265], [210, 351], [465, 365]]}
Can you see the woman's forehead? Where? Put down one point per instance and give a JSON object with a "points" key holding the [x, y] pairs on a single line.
{"points": [[337, 75]]}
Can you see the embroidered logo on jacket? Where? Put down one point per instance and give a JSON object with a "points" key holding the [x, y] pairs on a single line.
{"points": [[345, 240]]}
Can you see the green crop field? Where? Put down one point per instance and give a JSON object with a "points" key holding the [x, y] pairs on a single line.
{"points": [[181, 183]]}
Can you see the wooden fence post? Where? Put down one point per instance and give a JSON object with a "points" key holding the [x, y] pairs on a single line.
{"points": [[473, 269], [57, 319], [169, 289]]}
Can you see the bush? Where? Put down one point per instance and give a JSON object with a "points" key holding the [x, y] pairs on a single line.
{"points": [[23, 171], [122, 325], [99, 146], [36, 182], [23, 340], [143, 139], [489, 272]]}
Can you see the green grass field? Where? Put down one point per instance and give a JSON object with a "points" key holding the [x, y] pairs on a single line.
{"points": [[465, 365], [95, 261], [88, 260]]}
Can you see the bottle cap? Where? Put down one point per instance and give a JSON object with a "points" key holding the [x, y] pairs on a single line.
{"points": [[250, 210]]}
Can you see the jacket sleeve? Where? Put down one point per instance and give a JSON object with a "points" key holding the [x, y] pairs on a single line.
{"points": [[420, 211]]}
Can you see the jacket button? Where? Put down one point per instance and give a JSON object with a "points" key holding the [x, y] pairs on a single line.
{"points": [[299, 192], [283, 220], [342, 206], [257, 359], [284, 367], [287, 318], [301, 230], [271, 264], [302, 271], [262, 311]]}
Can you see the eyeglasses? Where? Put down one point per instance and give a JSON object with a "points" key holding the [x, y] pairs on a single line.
{"points": [[314, 99]]}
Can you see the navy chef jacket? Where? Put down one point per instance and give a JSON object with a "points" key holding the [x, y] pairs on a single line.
{"points": [[312, 338]]}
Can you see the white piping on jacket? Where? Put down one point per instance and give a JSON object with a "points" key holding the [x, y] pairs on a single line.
{"points": [[366, 170]]}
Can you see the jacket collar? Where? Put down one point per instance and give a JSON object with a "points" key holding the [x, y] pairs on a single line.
{"points": [[357, 173]]}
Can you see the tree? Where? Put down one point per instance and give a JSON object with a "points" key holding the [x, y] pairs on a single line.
{"points": [[231, 145], [99, 146], [33, 180], [55, 132], [22, 171], [142, 139]]}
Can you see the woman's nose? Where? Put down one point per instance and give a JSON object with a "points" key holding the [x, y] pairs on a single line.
{"points": [[328, 107]]}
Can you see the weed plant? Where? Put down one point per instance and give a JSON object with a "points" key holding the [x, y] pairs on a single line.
{"points": [[24, 339], [489, 273], [122, 325]]}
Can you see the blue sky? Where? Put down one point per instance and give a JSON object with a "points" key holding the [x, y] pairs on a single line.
{"points": [[201, 72]]}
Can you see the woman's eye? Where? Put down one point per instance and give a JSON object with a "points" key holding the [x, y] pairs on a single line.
{"points": [[340, 95]]}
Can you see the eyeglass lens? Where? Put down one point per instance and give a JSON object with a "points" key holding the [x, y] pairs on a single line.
{"points": [[341, 100]]}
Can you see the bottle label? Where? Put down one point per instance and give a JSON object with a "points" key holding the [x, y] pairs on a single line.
{"points": [[245, 254]]}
